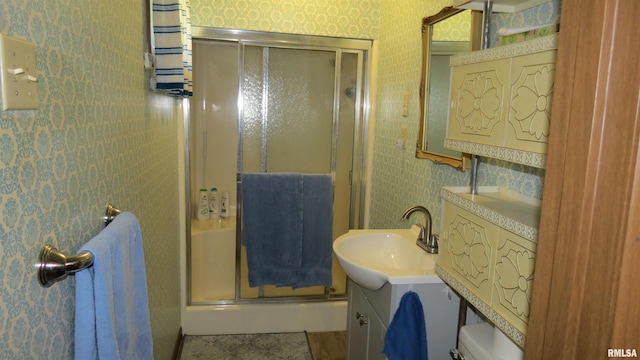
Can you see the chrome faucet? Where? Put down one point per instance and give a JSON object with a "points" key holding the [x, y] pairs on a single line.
{"points": [[427, 241]]}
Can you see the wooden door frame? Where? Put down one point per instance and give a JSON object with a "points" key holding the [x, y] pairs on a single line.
{"points": [[586, 294]]}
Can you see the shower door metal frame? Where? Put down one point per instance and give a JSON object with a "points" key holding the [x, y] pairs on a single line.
{"points": [[362, 111]]}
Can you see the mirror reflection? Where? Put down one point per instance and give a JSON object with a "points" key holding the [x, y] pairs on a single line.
{"points": [[449, 32]]}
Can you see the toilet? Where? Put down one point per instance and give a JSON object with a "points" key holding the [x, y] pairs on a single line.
{"points": [[484, 342]]}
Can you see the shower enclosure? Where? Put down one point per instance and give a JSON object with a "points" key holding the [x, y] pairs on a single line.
{"points": [[276, 103]]}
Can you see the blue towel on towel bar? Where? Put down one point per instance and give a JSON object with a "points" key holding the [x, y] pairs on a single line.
{"points": [[287, 223], [406, 337], [112, 310]]}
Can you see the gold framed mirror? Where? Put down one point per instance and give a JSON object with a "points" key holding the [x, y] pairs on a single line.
{"points": [[448, 32]]}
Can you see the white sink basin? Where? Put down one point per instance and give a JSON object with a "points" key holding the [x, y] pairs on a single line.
{"points": [[372, 258]]}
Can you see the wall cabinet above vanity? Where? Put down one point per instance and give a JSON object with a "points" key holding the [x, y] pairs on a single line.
{"points": [[501, 101]]}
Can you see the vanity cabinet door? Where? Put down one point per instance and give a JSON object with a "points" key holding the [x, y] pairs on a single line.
{"points": [[532, 78], [513, 279], [358, 323], [365, 329], [479, 101], [377, 332], [467, 250]]}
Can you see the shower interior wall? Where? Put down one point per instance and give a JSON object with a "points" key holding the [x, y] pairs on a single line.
{"points": [[299, 136]]}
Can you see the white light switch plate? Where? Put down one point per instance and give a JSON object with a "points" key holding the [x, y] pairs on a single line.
{"points": [[19, 75]]}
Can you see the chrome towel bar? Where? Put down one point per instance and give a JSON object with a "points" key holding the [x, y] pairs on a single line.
{"points": [[54, 266]]}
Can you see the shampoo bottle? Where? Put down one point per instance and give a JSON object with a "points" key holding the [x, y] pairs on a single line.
{"points": [[203, 205], [224, 205], [213, 203]]}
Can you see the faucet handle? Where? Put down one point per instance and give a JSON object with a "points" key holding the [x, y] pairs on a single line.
{"points": [[432, 244], [429, 245]]}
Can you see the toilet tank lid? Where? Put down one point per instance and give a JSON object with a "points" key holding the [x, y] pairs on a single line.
{"points": [[476, 341]]}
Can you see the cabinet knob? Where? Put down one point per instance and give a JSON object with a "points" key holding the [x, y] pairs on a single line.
{"points": [[456, 355], [362, 318]]}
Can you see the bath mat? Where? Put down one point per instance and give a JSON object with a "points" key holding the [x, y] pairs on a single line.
{"points": [[289, 346]]}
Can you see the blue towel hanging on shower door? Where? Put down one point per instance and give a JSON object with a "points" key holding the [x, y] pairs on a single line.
{"points": [[317, 231], [287, 228], [272, 227]]}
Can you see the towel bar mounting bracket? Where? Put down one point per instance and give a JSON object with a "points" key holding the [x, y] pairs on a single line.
{"points": [[54, 266]]}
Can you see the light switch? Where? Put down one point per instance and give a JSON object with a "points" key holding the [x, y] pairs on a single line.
{"points": [[18, 74]]}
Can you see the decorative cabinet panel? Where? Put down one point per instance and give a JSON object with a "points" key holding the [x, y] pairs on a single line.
{"points": [[531, 93], [478, 102], [467, 249], [513, 278], [501, 101], [487, 252]]}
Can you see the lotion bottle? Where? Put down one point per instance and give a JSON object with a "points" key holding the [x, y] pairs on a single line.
{"points": [[203, 205], [224, 205], [213, 203]]}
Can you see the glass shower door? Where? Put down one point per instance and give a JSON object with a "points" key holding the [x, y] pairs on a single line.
{"points": [[294, 119]]}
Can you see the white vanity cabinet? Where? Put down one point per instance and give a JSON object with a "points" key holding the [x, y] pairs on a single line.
{"points": [[370, 313], [501, 101], [487, 252]]}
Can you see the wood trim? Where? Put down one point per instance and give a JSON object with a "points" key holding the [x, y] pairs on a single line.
{"points": [[585, 297], [177, 349]]}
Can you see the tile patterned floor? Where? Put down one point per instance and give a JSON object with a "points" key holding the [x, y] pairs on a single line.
{"points": [[290, 346]]}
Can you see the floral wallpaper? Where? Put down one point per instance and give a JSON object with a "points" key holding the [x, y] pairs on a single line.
{"points": [[455, 28], [547, 13], [400, 180], [98, 136], [345, 18]]}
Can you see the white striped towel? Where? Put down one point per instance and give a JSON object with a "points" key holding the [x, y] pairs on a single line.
{"points": [[172, 49]]}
